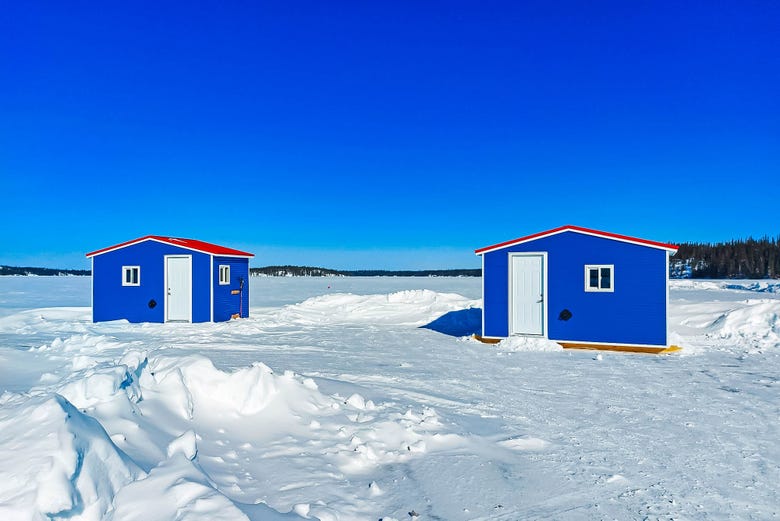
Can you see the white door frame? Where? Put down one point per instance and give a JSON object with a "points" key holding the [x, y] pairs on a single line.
{"points": [[510, 307], [165, 284]]}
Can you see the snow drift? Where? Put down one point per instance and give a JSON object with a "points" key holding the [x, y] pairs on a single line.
{"points": [[402, 308], [57, 461]]}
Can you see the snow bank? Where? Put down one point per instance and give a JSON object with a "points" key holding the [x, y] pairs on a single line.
{"points": [[176, 489], [742, 326], [754, 325], [407, 308], [36, 321], [57, 462], [518, 343]]}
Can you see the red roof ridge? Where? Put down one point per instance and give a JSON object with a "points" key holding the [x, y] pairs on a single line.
{"points": [[190, 244], [580, 229]]}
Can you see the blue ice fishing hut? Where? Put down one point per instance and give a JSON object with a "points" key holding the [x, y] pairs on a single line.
{"points": [[579, 287], [167, 279]]}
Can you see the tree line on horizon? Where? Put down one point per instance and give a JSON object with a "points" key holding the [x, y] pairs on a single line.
{"points": [[742, 258], [310, 271], [738, 259], [41, 272]]}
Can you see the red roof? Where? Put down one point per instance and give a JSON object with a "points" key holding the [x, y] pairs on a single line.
{"points": [[190, 244], [578, 229]]}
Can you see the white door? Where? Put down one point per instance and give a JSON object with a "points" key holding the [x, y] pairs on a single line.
{"points": [[178, 280], [526, 295]]}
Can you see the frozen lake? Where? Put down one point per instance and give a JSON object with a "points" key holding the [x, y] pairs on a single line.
{"points": [[369, 414], [18, 293]]}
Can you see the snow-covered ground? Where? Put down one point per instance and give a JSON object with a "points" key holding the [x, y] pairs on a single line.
{"points": [[364, 399]]}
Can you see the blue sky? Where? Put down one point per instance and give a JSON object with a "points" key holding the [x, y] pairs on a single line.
{"points": [[383, 134]]}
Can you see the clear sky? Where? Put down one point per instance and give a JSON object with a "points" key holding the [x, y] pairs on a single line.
{"points": [[383, 134]]}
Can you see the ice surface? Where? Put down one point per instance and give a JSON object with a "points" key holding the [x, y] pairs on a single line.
{"points": [[354, 399]]}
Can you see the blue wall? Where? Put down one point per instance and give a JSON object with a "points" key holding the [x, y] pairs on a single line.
{"points": [[225, 303], [635, 313], [112, 301]]}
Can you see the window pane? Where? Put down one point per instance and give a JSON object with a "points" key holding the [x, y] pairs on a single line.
{"points": [[127, 276], [606, 283], [593, 275]]}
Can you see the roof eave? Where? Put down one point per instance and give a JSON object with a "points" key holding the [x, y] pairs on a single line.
{"points": [[241, 255], [578, 229]]}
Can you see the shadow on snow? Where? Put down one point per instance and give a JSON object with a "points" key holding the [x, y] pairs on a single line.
{"points": [[464, 322]]}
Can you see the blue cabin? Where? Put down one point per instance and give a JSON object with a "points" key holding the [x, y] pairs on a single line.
{"points": [[166, 279], [578, 287]]}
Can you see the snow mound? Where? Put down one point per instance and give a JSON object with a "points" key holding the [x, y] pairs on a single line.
{"points": [[521, 343], [36, 321], [178, 490], [755, 326], [57, 462], [410, 308], [197, 389], [525, 444]]}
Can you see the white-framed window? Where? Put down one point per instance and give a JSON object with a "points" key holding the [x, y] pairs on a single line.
{"points": [[600, 277], [224, 274], [131, 275]]}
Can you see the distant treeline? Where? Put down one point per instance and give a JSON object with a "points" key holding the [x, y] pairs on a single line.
{"points": [[745, 258], [309, 271], [293, 271], [45, 272]]}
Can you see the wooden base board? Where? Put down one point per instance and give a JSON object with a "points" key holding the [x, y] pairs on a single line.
{"points": [[599, 347], [625, 349], [486, 340]]}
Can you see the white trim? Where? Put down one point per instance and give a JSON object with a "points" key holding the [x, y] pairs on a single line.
{"points": [[494, 337], [606, 343], [133, 243], [124, 277], [537, 237], [165, 285], [589, 288], [227, 270], [545, 314], [92, 288], [668, 255], [483, 296], [211, 288], [544, 295]]}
